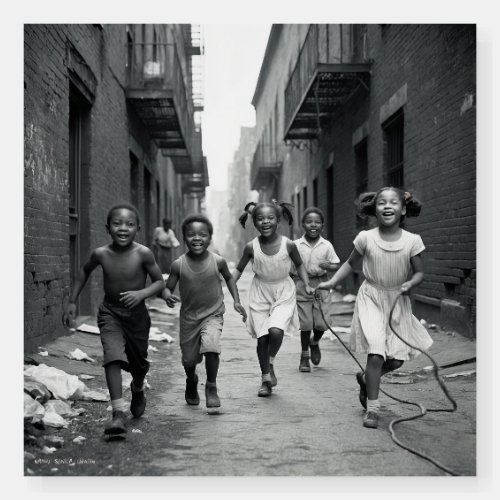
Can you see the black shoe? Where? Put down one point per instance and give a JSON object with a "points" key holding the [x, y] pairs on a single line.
{"points": [[362, 389], [265, 389], [370, 420], [191, 395], [138, 403], [117, 424], [304, 365], [211, 396], [274, 380], [315, 354]]}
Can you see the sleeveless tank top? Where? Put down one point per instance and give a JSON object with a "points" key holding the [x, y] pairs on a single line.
{"points": [[201, 291], [271, 268]]}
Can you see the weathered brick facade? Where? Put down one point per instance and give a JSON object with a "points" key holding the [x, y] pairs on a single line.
{"points": [[427, 73], [75, 80]]}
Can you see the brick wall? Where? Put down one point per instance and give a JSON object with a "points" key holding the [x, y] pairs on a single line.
{"points": [[94, 58]]}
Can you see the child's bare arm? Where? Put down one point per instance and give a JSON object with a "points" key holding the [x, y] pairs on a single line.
{"points": [[247, 255], [172, 281], [329, 266], [417, 265], [134, 297], [345, 270], [81, 279], [231, 286], [297, 260]]}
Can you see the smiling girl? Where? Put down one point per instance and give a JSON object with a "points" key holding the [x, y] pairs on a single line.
{"points": [[272, 305], [392, 266]]}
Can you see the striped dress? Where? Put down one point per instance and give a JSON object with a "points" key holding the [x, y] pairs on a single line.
{"points": [[386, 266]]}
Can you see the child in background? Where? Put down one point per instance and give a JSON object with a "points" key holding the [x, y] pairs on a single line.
{"points": [[198, 273], [272, 304], [123, 318], [319, 257], [392, 266], [164, 242]]}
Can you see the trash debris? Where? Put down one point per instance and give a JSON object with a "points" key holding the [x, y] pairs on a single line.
{"points": [[60, 407], [109, 408], [423, 322], [152, 348], [55, 441], [54, 469], [79, 355], [84, 376], [32, 408], [89, 329], [28, 360], [95, 396], [349, 298], [48, 450], [432, 326], [61, 384], [37, 390], [29, 471], [52, 419], [460, 374], [28, 456], [79, 411], [43, 353], [137, 431], [79, 440], [156, 335]]}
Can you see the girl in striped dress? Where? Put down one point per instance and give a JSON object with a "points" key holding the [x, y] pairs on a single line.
{"points": [[272, 304], [392, 266]]}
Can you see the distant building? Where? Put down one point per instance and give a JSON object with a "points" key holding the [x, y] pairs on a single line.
{"points": [[240, 193], [343, 109], [110, 114]]}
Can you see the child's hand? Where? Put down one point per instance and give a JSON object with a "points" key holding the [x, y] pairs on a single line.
{"points": [[406, 287], [324, 286], [309, 289], [171, 300], [239, 308], [324, 265], [132, 298], [69, 315]]}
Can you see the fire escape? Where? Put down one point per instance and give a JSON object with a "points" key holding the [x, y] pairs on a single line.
{"points": [[161, 94], [331, 67]]}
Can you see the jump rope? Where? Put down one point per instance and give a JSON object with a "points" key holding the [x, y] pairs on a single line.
{"points": [[422, 409]]}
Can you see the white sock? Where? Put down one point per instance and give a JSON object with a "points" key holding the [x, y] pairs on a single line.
{"points": [[373, 405], [118, 404], [271, 359]]}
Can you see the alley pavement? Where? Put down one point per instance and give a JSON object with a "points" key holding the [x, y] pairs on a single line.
{"points": [[311, 425]]}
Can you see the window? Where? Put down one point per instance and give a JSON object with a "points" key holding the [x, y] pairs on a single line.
{"points": [[134, 180], [304, 197], [394, 150], [361, 157]]}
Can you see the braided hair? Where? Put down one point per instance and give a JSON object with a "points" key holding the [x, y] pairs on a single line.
{"points": [[281, 208], [366, 202]]}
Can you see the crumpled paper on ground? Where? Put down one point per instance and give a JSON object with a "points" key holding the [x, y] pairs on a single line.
{"points": [[156, 335], [60, 384], [32, 408], [79, 355], [89, 329], [60, 407], [37, 390]]}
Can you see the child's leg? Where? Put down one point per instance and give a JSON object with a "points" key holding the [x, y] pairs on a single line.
{"points": [[373, 373], [317, 336], [275, 341], [263, 353], [391, 365], [190, 372], [305, 337], [113, 373], [212, 366]]}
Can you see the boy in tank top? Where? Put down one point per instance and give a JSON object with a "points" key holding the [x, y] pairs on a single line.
{"points": [[198, 273]]}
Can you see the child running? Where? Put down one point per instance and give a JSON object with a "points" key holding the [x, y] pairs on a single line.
{"points": [[123, 318], [319, 257], [272, 304], [392, 266], [198, 273]]}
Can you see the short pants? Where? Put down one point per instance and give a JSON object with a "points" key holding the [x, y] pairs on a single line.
{"points": [[206, 339], [309, 313], [124, 336]]}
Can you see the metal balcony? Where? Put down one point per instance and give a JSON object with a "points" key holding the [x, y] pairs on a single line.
{"points": [[330, 68], [265, 167], [197, 182], [156, 90]]}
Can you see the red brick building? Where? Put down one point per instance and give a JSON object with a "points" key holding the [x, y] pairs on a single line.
{"points": [[110, 114], [347, 108]]}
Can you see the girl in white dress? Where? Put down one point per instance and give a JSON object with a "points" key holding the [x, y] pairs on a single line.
{"points": [[392, 266], [272, 305]]}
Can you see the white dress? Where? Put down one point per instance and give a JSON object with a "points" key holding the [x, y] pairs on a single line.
{"points": [[271, 296], [386, 266]]}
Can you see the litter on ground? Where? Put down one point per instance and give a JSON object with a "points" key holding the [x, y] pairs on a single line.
{"points": [[79, 355], [60, 407], [61, 384], [84, 376], [349, 298], [32, 408], [43, 353], [52, 419], [37, 390], [156, 335], [79, 440], [89, 329]]}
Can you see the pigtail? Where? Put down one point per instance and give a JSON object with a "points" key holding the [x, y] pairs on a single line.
{"points": [[413, 206], [365, 203], [286, 210], [249, 208]]}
